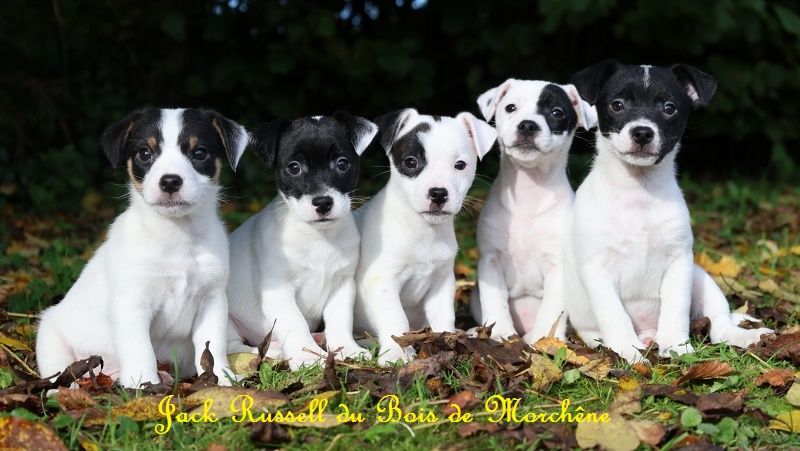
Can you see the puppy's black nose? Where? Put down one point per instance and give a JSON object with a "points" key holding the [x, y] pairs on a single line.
{"points": [[323, 204], [170, 183], [642, 135], [527, 127], [438, 195]]}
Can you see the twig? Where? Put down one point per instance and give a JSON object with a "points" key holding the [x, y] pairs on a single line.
{"points": [[21, 362], [22, 315]]}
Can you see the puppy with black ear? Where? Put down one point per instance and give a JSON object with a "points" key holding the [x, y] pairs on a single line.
{"points": [[631, 278], [524, 218], [408, 244], [292, 264], [155, 289]]}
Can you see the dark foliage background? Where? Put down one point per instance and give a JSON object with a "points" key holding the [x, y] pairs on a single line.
{"points": [[71, 67]]}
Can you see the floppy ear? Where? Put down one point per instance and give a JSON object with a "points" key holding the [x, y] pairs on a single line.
{"points": [[116, 135], [589, 81], [700, 86], [488, 101], [234, 137], [587, 114], [390, 125], [265, 139], [481, 134], [359, 130]]}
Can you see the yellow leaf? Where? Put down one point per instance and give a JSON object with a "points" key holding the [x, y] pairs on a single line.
{"points": [[787, 421], [726, 266], [551, 345], [19, 433], [222, 397], [243, 362], [768, 286], [743, 308], [14, 343], [628, 383], [793, 395], [795, 249], [616, 435], [542, 371]]}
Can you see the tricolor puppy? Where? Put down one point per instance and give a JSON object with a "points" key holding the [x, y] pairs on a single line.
{"points": [[292, 264], [155, 289], [629, 266], [408, 244], [523, 222]]}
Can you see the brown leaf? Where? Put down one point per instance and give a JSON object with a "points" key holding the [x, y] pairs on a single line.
{"points": [[19, 433], [465, 400], [207, 378], [422, 368], [649, 432], [784, 346], [268, 434], [470, 429], [615, 435], [597, 369], [627, 402], [552, 345], [711, 369], [670, 391], [700, 327], [642, 369], [775, 378], [77, 370], [10, 401], [101, 382], [73, 399], [264, 346], [718, 405], [414, 336]]}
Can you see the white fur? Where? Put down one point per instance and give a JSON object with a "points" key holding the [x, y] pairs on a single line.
{"points": [[524, 219], [630, 276], [155, 289], [405, 274]]}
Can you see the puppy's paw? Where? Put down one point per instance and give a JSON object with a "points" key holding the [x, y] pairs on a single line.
{"points": [[500, 332], [129, 380], [353, 351], [395, 353], [678, 346], [741, 338]]}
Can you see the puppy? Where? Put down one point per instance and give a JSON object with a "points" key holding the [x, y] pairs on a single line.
{"points": [[629, 266], [155, 289], [523, 221], [408, 245], [292, 264]]}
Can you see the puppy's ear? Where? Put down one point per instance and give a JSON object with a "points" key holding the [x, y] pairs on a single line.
{"points": [[391, 124], [116, 135], [587, 114], [265, 139], [589, 81], [234, 137], [481, 134], [359, 130], [700, 86], [488, 101]]}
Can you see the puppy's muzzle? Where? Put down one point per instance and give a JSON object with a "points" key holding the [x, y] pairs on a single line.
{"points": [[324, 204], [170, 183]]}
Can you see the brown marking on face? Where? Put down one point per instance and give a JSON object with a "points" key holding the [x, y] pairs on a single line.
{"points": [[218, 170], [219, 132], [152, 142], [135, 183], [193, 142]]}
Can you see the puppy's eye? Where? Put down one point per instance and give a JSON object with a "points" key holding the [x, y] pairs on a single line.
{"points": [[294, 168], [510, 108], [342, 164], [670, 109], [410, 163], [144, 154], [461, 165], [617, 105], [200, 153], [557, 113]]}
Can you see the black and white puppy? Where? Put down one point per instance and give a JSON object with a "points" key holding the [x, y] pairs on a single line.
{"points": [[155, 289], [527, 211], [408, 244], [630, 274], [292, 264]]}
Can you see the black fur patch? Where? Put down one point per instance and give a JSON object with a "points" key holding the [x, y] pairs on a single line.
{"points": [[408, 146], [552, 97], [198, 129], [145, 133]]}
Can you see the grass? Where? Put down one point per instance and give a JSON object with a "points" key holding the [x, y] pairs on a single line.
{"points": [[755, 223]]}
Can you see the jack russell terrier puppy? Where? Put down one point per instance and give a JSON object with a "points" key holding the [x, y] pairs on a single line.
{"points": [[155, 289], [525, 216], [408, 244], [630, 276], [293, 263]]}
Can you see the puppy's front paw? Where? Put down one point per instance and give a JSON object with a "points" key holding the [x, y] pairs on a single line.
{"points": [[305, 357], [741, 338], [680, 346], [499, 332], [135, 380], [352, 351], [388, 355]]}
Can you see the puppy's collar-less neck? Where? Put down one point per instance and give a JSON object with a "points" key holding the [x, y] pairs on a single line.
{"points": [[396, 199], [622, 174], [197, 217]]}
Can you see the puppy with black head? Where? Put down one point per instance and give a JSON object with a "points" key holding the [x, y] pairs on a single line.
{"points": [[408, 245], [631, 279], [292, 264], [523, 222], [155, 289]]}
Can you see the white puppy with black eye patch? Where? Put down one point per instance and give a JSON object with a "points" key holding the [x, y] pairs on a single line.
{"points": [[630, 277], [292, 264], [526, 214], [408, 245], [155, 289]]}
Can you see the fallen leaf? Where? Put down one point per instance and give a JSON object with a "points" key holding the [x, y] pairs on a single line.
{"points": [[649, 432], [670, 391], [793, 395], [73, 399], [711, 369], [221, 398], [626, 402], [14, 343], [615, 435], [597, 369], [718, 405], [11, 401], [787, 421], [628, 383], [465, 400], [784, 346], [542, 371], [552, 345], [642, 369], [207, 378], [470, 429], [775, 378], [727, 266], [137, 409], [243, 363], [19, 433], [269, 433]]}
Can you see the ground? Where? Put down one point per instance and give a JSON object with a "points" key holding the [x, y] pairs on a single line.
{"points": [[747, 235]]}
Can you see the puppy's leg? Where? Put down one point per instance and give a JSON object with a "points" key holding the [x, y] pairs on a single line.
{"points": [[130, 332], [53, 352], [552, 312], [235, 342], [613, 322], [494, 298], [440, 310], [291, 328], [211, 325], [709, 301], [384, 310], [338, 315], [675, 306]]}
